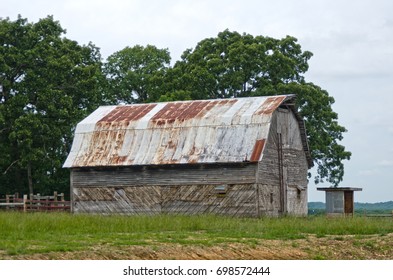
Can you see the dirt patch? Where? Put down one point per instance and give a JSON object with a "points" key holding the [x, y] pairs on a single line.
{"points": [[312, 247]]}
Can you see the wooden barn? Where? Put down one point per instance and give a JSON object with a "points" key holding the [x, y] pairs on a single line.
{"points": [[238, 157]]}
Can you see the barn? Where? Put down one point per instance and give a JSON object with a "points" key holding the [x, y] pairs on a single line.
{"points": [[238, 157]]}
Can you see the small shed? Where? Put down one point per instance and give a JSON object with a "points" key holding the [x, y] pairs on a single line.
{"points": [[239, 157], [339, 200]]}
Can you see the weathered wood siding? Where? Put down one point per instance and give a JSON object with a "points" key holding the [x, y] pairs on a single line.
{"points": [[295, 163], [234, 200], [283, 168], [164, 175], [219, 189], [268, 177], [268, 200]]}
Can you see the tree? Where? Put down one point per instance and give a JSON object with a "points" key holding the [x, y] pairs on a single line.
{"points": [[237, 65], [48, 84], [135, 75]]}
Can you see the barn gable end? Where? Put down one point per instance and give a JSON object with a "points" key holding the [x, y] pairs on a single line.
{"points": [[240, 157]]}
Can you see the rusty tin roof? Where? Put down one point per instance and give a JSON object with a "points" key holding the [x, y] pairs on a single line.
{"points": [[204, 131]]}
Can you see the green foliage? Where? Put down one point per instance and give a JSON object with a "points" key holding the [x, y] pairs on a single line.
{"points": [[235, 65], [135, 75], [387, 206], [175, 96], [49, 83]]}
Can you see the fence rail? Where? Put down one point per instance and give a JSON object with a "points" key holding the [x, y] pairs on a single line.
{"points": [[35, 203]]}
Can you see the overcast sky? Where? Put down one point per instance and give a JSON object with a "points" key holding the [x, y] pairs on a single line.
{"points": [[352, 43]]}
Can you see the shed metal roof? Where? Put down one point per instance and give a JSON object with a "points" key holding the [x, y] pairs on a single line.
{"points": [[204, 131], [339, 189]]}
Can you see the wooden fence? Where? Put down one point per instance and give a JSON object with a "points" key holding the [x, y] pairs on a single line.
{"points": [[35, 202]]}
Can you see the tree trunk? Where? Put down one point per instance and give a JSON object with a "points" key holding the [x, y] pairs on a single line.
{"points": [[30, 178]]}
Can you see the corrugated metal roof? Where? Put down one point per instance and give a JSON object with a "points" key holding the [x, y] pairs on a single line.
{"points": [[204, 131]]}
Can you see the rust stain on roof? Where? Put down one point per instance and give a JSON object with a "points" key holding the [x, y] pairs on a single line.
{"points": [[182, 111], [270, 105], [257, 151], [128, 113]]}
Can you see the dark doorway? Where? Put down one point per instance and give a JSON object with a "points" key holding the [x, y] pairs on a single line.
{"points": [[348, 202]]}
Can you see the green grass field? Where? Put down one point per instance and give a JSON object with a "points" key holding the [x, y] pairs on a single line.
{"points": [[41, 233]]}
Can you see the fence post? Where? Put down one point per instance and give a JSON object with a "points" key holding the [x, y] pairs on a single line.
{"points": [[7, 200], [31, 200], [38, 202], [24, 202], [62, 200]]}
